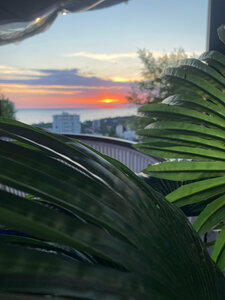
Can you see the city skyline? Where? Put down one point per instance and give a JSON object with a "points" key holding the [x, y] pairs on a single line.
{"points": [[90, 58]]}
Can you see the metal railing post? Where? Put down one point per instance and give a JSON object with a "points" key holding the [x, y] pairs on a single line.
{"points": [[216, 17]]}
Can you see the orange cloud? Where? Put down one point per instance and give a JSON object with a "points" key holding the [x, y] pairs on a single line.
{"points": [[24, 97], [62, 88]]}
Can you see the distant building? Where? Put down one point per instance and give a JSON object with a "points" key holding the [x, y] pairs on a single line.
{"points": [[129, 135], [119, 130], [96, 125], [66, 123]]}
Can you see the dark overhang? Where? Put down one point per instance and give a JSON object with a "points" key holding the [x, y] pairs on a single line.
{"points": [[20, 19]]}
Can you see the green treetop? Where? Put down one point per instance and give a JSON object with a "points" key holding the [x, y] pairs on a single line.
{"points": [[7, 108], [153, 88]]}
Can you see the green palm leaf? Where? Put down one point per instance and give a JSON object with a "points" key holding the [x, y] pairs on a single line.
{"points": [[218, 254], [190, 126], [212, 215], [89, 228]]}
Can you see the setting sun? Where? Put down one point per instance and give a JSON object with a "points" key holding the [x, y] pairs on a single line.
{"points": [[108, 100]]}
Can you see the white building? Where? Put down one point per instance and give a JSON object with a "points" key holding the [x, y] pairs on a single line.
{"points": [[129, 135], [66, 123], [119, 130]]}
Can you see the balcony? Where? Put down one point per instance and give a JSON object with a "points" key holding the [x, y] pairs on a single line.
{"points": [[119, 149], [122, 150]]}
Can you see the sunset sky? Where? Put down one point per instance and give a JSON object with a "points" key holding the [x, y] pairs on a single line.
{"points": [[88, 57]]}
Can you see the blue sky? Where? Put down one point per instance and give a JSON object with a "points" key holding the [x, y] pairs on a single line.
{"points": [[103, 44]]}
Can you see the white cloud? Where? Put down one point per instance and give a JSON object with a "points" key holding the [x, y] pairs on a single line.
{"points": [[113, 57], [10, 73], [103, 57]]}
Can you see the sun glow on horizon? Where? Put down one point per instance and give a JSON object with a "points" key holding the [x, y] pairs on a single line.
{"points": [[108, 100]]}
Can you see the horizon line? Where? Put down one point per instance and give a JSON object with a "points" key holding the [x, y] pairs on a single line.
{"points": [[97, 105]]}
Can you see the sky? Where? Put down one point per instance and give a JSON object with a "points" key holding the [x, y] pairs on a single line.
{"points": [[91, 57]]}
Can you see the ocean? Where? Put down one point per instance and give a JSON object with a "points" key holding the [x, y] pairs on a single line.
{"points": [[34, 116]]}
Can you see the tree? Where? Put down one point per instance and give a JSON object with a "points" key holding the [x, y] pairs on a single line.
{"points": [[7, 108], [153, 88]]}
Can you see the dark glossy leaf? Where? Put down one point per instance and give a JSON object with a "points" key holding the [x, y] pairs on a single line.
{"points": [[218, 254], [121, 239], [42, 273], [166, 187]]}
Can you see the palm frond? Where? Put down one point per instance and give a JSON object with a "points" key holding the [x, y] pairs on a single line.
{"points": [[83, 226], [189, 127]]}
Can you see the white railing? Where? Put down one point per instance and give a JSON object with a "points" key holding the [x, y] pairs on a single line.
{"points": [[122, 150]]}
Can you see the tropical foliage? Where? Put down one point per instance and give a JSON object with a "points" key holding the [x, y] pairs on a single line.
{"points": [[7, 108], [153, 88], [190, 126], [76, 225]]}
